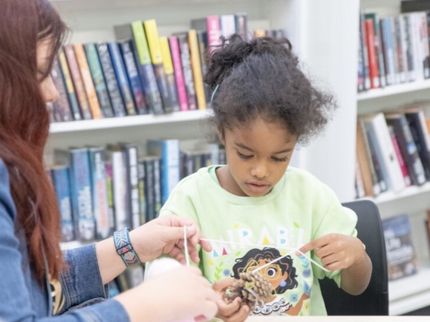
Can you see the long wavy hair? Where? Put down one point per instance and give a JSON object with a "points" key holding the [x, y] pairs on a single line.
{"points": [[24, 125]]}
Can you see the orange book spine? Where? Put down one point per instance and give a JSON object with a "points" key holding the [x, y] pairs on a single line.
{"points": [[88, 81]]}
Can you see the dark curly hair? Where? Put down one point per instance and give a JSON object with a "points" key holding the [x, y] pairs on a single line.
{"points": [[262, 78]]}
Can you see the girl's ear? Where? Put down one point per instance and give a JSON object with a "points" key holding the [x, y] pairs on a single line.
{"points": [[220, 134]]}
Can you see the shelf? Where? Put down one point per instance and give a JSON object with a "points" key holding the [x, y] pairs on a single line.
{"points": [[394, 90], [407, 192], [410, 293], [119, 122]]}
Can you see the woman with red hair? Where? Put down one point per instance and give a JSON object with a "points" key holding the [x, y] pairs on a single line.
{"points": [[39, 282]]}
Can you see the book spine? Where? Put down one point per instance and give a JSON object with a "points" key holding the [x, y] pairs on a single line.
{"points": [[416, 42], [373, 62], [149, 81], [241, 20], [396, 67], [133, 77], [81, 195], [359, 185], [88, 81], [157, 61], [179, 76], [202, 38], [61, 178], [169, 71], [389, 63], [228, 25], [402, 164], [399, 50], [379, 51], [111, 81], [360, 70], [109, 194], [121, 75], [99, 80], [142, 200], [409, 48], [73, 100], [131, 152], [368, 153], [61, 106], [188, 73], [196, 67], [158, 183], [214, 32], [120, 190], [77, 81], [424, 42], [362, 163], [365, 51], [149, 191], [419, 136], [99, 192]]}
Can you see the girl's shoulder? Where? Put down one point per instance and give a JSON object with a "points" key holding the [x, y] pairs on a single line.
{"points": [[305, 182]]}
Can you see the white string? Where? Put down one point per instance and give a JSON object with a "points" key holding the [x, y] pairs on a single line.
{"points": [[187, 257], [275, 260]]}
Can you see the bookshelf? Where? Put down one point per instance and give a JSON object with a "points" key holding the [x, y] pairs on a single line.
{"points": [[410, 293]]}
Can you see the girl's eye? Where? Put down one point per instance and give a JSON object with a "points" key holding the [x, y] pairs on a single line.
{"points": [[280, 159], [271, 272], [244, 156]]}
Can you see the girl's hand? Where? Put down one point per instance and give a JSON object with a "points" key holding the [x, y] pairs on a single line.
{"points": [[232, 312], [181, 293], [165, 236], [336, 251]]}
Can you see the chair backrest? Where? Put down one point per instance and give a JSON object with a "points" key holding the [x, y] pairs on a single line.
{"points": [[374, 300]]}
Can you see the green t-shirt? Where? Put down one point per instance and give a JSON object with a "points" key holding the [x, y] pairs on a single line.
{"points": [[256, 231]]}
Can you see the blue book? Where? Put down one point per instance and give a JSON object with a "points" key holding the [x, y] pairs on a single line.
{"points": [[121, 76], [133, 76], [168, 150], [81, 194], [390, 68], [61, 180], [99, 192]]}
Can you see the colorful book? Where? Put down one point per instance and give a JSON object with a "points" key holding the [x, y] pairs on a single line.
{"points": [[61, 180], [62, 111], [88, 81], [197, 70], [121, 76], [365, 51], [99, 192], [373, 61], [169, 72], [401, 256], [141, 174], [75, 72], [402, 164], [212, 26], [179, 75], [187, 70], [241, 20], [111, 81], [133, 77], [202, 38], [99, 80], [109, 194], [168, 150], [73, 100], [157, 61]]}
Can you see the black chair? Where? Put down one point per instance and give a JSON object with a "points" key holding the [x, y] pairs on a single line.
{"points": [[374, 300]]}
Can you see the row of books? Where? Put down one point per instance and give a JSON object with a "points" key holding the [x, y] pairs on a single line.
{"points": [[393, 50], [103, 189], [141, 73], [393, 150]]}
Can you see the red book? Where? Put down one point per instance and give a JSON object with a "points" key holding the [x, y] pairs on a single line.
{"points": [[371, 51], [403, 167]]}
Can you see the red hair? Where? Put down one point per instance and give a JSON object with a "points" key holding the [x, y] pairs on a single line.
{"points": [[24, 125]]}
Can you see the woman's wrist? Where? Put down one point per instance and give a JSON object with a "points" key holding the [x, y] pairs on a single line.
{"points": [[125, 248]]}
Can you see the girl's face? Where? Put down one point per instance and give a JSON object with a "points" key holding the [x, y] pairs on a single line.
{"points": [[257, 156], [47, 87]]}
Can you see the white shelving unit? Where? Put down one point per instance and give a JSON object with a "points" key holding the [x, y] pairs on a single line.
{"points": [[411, 293]]}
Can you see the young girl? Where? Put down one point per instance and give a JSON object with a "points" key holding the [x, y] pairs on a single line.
{"points": [[256, 208]]}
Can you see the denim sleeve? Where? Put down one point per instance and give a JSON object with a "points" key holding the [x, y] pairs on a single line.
{"points": [[15, 301], [81, 280]]}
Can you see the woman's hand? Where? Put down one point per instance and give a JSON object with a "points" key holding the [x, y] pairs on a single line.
{"points": [[336, 251], [178, 294], [232, 312], [165, 236]]}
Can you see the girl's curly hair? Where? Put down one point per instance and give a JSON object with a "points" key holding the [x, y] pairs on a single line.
{"points": [[262, 78]]}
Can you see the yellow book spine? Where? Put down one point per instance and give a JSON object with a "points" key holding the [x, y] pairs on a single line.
{"points": [[197, 68], [259, 33], [153, 41], [88, 81], [167, 57]]}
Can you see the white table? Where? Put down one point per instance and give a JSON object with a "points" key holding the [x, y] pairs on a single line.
{"points": [[341, 319]]}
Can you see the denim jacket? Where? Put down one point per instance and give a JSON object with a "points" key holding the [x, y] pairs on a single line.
{"points": [[78, 295]]}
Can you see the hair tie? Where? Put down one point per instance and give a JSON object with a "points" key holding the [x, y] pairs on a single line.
{"points": [[213, 93]]}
